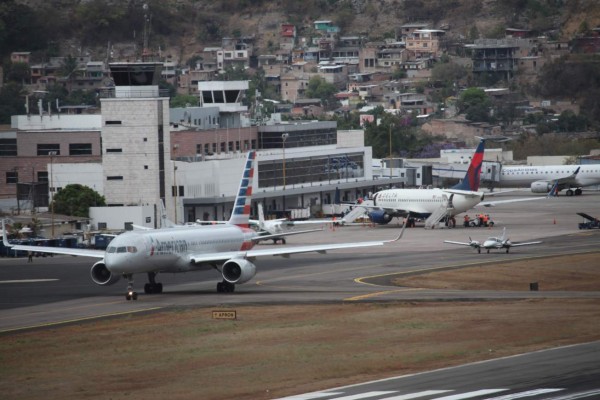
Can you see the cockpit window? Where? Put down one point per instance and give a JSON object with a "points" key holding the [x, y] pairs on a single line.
{"points": [[122, 249], [131, 249], [111, 249]]}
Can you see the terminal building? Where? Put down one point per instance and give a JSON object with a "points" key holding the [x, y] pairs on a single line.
{"points": [[139, 153]]}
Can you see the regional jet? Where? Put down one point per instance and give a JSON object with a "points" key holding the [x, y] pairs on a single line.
{"points": [[227, 248], [490, 243], [424, 203], [541, 179]]}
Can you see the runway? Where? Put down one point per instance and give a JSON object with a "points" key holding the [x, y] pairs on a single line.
{"points": [[57, 289]]}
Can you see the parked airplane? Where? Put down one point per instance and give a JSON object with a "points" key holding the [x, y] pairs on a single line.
{"points": [[276, 229], [227, 248], [492, 243], [423, 203], [541, 179]]}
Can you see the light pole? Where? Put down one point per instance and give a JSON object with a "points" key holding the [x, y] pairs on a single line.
{"points": [[284, 136], [176, 189], [52, 154], [390, 151]]}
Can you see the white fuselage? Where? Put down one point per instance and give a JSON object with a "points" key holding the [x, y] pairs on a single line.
{"points": [[169, 250], [425, 201], [523, 176]]}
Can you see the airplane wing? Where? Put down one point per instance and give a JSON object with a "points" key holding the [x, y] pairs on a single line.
{"points": [[287, 251], [551, 193], [459, 243], [267, 236], [524, 244], [466, 193], [53, 250]]}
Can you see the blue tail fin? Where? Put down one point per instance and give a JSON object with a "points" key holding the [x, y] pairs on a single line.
{"points": [[241, 206], [471, 180]]}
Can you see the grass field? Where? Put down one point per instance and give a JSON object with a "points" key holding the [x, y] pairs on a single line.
{"points": [[273, 351]]}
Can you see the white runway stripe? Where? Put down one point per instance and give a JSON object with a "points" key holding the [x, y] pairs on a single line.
{"points": [[416, 395], [365, 395], [470, 395], [310, 396], [520, 395]]}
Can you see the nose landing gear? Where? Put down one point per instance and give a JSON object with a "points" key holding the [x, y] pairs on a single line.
{"points": [[131, 294]]}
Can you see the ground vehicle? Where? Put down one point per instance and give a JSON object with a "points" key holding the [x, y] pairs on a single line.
{"points": [[590, 223]]}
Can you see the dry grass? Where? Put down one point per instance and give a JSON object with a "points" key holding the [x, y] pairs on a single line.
{"points": [[272, 351]]}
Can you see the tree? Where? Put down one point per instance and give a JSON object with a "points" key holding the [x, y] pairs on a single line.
{"points": [[76, 200], [319, 88], [475, 104], [12, 101], [183, 100]]}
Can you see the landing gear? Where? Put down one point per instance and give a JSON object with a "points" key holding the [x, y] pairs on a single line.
{"points": [[276, 239], [130, 295], [569, 192], [152, 287], [225, 287], [479, 250], [578, 192]]}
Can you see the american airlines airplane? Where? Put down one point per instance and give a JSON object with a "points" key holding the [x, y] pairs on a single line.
{"points": [[422, 203], [541, 179], [227, 248]]}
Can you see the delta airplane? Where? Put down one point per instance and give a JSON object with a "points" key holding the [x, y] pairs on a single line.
{"points": [[227, 248], [497, 243], [541, 179], [390, 203]]}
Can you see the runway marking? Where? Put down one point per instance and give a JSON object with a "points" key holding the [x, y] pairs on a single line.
{"points": [[411, 396], [377, 294], [28, 281], [54, 323], [470, 395], [528, 393]]}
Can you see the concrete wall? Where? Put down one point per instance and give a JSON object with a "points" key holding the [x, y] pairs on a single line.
{"points": [[116, 217]]}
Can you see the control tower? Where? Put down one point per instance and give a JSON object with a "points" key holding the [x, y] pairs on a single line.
{"points": [[135, 137]]}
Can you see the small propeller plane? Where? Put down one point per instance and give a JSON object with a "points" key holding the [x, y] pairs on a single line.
{"points": [[490, 243]]}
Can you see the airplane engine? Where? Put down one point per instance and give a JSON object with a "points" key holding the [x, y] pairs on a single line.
{"points": [[102, 276], [380, 217], [541, 187], [238, 271]]}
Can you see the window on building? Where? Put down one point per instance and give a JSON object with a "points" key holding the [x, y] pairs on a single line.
{"points": [[12, 177], [44, 149], [42, 176], [222, 147], [230, 147], [8, 147], [114, 178], [253, 144], [199, 148], [206, 148], [114, 150], [214, 147], [113, 122], [80, 149]]}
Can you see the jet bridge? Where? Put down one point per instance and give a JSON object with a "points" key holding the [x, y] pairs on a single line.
{"points": [[490, 173]]}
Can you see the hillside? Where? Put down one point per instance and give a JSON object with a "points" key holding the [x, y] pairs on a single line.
{"points": [[180, 28]]}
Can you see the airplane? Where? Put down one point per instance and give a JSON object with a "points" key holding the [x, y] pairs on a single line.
{"points": [[542, 178], [422, 203], [276, 229], [227, 248], [498, 243]]}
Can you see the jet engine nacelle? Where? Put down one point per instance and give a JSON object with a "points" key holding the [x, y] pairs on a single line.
{"points": [[238, 271], [541, 187], [380, 217], [102, 276]]}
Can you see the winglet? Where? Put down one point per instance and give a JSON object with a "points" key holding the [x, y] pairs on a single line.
{"points": [[554, 190], [240, 215], [401, 232], [5, 234], [471, 180]]}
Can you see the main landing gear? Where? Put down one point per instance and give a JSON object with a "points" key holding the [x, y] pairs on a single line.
{"points": [[225, 287], [576, 192], [152, 287]]}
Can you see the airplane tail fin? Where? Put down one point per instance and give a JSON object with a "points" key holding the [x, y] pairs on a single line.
{"points": [[261, 216], [240, 215], [503, 238], [471, 180]]}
